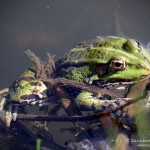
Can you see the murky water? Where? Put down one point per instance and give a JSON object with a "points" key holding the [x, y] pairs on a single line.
{"points": [[55, 26]]}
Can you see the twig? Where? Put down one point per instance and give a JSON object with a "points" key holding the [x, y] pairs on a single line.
{"points": [[78, 118], [66, 101], [82, 86]]}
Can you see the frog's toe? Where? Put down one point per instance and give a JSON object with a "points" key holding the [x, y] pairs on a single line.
{"points": [[8, 116], [14, 114]]}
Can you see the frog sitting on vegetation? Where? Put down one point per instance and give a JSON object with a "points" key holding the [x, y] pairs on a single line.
{"points": [[120, 64], [107, 62]]}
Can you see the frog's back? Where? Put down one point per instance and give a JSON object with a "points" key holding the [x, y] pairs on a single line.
{"points": [[91, 51]]}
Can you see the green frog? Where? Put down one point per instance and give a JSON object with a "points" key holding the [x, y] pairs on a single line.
{"points": [[115, 63], [108, 62], [27, 89]]}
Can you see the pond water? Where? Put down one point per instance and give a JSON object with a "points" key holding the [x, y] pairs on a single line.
{"points": [[55, 26]]}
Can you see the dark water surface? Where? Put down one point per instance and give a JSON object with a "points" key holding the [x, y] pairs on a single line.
{"points": [[55, 26]]}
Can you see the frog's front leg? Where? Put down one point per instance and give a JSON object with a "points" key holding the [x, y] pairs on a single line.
{"points": [[87, 101]]}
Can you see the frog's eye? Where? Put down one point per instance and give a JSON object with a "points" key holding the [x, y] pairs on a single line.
{"points": [[118, 64]]}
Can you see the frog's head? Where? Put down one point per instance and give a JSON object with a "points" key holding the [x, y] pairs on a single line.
{"points": [[120, 59], [110, 58]]}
